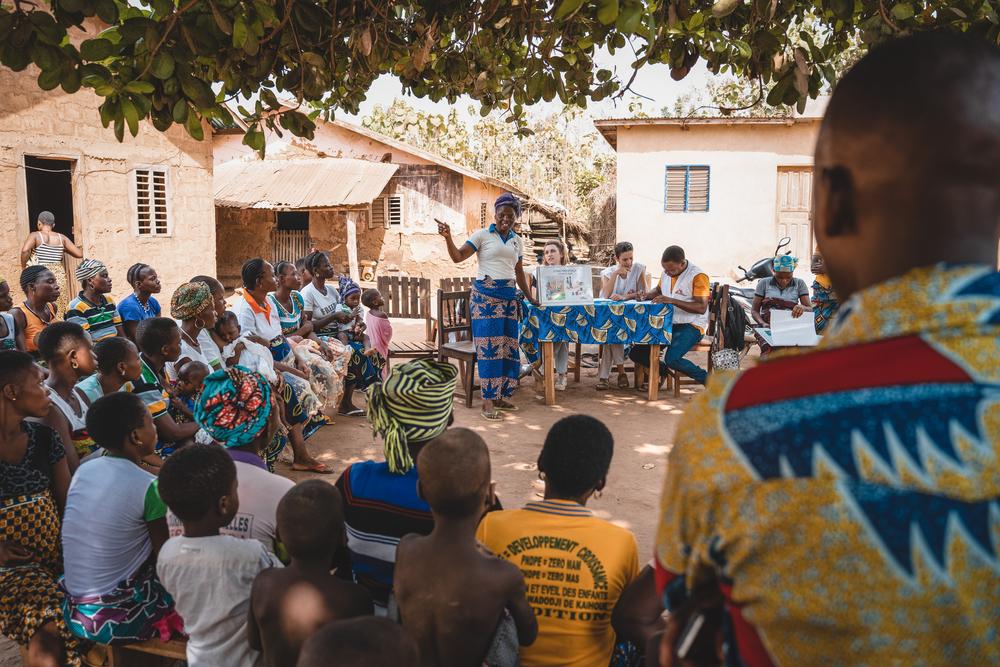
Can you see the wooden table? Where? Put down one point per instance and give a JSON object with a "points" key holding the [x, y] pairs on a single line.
{"points": [[602, 323]]}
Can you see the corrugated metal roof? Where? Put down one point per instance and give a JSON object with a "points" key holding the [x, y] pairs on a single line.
{"points": [[299, 184]]}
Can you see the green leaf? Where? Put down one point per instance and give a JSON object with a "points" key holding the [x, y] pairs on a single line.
{"points": [[108, 111], [696, 21], [49, 79], [567, 7], [607, 11], [180, 111], [131, 115], [194, 128], [221, 21], [198, 92], [776, 95], [630, 17], [725, 7], [96, 49], [239, 33], [120, 129], [163, 65], [254, 138], [46, 57], [742, 48], [71, 80], [843, 9], [107, 11], [902, 11], [143, 87]]}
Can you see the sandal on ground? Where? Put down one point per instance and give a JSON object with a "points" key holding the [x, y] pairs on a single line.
{"points": [[315, 466], [356, 412], [602, 385], [493, 415], [623, 380], [505, 406]]}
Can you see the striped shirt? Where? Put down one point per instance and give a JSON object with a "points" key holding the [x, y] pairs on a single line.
{"points": [[290, 321], [149, 388], [99, 320], [379, 508], [48, 254]]}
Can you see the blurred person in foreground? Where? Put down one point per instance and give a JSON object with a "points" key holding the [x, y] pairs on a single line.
{"points": [[843, 501]]}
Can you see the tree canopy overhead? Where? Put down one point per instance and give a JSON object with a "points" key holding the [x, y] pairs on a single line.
{"points": [[177, 61]]}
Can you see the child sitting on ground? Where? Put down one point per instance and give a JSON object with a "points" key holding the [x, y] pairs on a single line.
{"points": [[377, 324], [360, 642], [288, 605], [352, 331], [455, 598], [113, 528], [209, 575], [190, 381]]}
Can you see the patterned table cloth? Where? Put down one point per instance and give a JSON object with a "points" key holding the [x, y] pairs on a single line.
{"points": [[611, 322]]}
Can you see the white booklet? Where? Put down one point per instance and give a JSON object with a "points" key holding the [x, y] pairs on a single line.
{"points": [[788, 331]]}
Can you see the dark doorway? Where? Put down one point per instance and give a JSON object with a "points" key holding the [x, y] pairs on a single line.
{"points": [[50, 188]]}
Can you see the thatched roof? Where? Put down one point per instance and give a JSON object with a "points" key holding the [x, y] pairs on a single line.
{"points": [[558, 213]]}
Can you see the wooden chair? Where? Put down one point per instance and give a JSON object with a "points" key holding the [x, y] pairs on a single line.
{"points": [[152, 653], [455, 321], [409, 298], [456, 284]]}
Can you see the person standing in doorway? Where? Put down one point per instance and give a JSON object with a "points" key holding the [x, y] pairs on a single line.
{"points": [[687, 288], [495, 305], [46, 246]]}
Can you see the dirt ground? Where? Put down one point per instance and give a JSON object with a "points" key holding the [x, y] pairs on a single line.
{"points": [[643, 435]]}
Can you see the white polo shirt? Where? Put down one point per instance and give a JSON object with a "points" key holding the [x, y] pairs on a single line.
{"points": [[497, 257], [254, 321]]}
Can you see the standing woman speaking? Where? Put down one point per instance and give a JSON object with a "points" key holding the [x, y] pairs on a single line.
{"points": [[495, 305], [46, 247]]}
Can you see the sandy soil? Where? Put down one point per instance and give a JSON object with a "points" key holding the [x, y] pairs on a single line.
{"points": [[643, 435]]}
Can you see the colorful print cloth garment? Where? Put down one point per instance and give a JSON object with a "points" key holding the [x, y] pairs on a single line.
{"points": [[615, 322], [847, 499], [496, 315], [30, 596]]}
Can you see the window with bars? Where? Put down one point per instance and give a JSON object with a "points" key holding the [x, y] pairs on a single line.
{"points": [[686, 189], [152, 216], [483, 214], [394, 210]]}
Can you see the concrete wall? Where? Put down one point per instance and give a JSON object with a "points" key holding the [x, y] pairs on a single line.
{"points": [[53, 124], [741, 224]]}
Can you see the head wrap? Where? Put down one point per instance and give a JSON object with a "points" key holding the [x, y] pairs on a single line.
{"points": [[412, 405], [30, 275], [234, 406], [785, 263], [46, 218], [89, 268], [508, 199], [348, 287], [189, 300]]}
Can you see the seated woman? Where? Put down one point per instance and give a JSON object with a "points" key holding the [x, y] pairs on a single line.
{"points": [[193, 307], [11, 337], [258, 318], [140, 304], [624, 280], [93, 308], [113, 528], [554, 254], [381, 503], [41, 292], [601, 562], [782, 291], [211, 345], [67, 351], [824, 301], [34, 478]]}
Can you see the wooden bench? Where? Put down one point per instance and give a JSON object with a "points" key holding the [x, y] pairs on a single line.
{"points": [[409, 298]]}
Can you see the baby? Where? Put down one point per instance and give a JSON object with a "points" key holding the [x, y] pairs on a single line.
{"points": [[190, 381], [240, 350], [350, 302]]}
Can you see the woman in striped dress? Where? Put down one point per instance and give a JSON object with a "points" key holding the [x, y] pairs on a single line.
{"points": [[46, 247]]}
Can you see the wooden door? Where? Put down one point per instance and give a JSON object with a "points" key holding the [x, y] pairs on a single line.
{"points": [[794, 205]]}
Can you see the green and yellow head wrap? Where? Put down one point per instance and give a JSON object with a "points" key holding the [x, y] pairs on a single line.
{"points": [[412, 404]]}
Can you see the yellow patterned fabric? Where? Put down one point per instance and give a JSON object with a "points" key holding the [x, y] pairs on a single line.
{"points": [[845, 499]]}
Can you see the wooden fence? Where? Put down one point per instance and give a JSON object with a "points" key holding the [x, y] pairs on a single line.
{"points": [[289, 245]]}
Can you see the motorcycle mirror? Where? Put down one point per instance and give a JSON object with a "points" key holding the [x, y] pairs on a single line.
{"points": [[785, 240]]}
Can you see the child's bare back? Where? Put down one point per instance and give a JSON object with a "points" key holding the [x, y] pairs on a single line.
{"points": [[455, 617], [451, 592], [287, 605]]}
